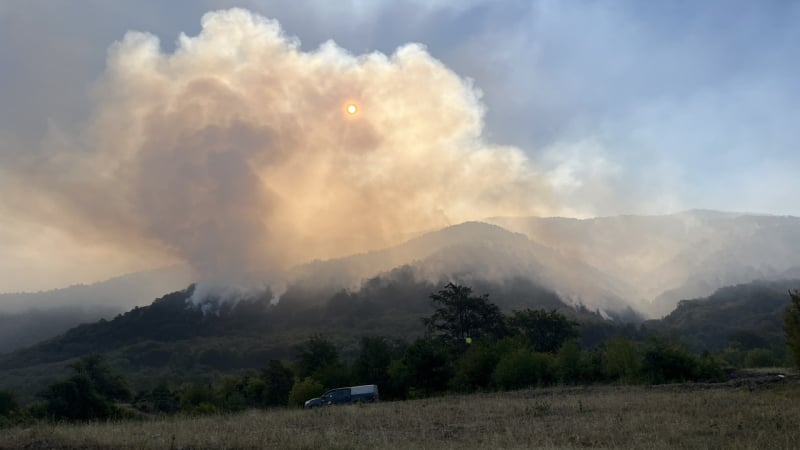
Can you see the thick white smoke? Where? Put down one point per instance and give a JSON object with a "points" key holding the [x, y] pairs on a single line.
{"points": [[235, 151]]}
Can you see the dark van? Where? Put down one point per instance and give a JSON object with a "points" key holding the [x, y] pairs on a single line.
{"points": [[344, 396]]}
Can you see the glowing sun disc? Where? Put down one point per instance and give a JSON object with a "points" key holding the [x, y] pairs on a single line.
{"points": [[351, 108]]}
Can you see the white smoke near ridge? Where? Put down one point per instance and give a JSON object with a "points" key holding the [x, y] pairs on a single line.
{"points": [[235, 152]]}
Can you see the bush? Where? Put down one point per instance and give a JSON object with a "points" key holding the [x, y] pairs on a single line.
{"points": [[198, 399], [473, 370], [622, 360], [668, 363], [571, 363], [522, 368], [304, 390], [278, 381], [8, 404], [426, 367], [88, 394], [761, 357], [544, 331], [791, 326]]}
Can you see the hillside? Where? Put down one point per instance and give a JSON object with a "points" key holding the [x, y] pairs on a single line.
{"points": [[473, 252], [668, 258], [744, 316], [182, 339]]}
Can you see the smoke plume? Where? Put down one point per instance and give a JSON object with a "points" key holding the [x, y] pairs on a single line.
{"points": [[235, 151]]}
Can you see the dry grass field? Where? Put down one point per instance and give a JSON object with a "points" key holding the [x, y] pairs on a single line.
{"points": [[636, 417]]}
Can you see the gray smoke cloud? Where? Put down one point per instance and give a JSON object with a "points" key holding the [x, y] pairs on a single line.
{"points": [[235, 153]]}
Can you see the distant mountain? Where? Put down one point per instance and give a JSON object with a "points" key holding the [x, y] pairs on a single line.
{"points": [[473, 252], [744, 316], [27, 318], [664, 259], [622, 267]]}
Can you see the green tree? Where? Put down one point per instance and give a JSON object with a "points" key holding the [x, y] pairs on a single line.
{"points": [[461, 317], [198, 398], [523, 368], [425, 368], [278, 381], [544, 331], [304, 390], [8, 404], [372, 364], [164, 400], [571, 363], [316, 354], [666, 362], [473, 369], [88, 394], [622, 360], [791, 326]]}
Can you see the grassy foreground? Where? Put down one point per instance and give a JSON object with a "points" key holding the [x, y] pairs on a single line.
{"points": [[638, 417]]}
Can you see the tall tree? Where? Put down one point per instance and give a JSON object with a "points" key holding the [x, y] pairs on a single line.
{"points": [[88, 394], [791, 326], [545, 331], [461, 316], [372, 364], [278, 380], [316, 354]]}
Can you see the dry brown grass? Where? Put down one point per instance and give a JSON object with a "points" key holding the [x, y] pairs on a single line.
{"points": [[607, 417]]}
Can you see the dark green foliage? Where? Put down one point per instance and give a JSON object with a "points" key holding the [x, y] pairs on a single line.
{"points": [[231, 395], [198, 398], [304, 390], [523, 368], [666, 362], [622, 360], [89, 393], [572, 365], [459, 315], [8, 404], [424, 369], [164, 399], [791, 327], [473, 370], [544, 331], [278, 381], [741, 317], [372, 364], [708, 368], [315, 354]]}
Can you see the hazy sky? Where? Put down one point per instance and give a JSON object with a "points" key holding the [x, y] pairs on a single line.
{"points": [[618, 106]]}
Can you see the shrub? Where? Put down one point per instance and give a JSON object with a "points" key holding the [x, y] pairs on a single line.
{"points": [[668, 363], [197, 398], [622, 360], [473, 370], [303, 390], [8, 404], [523, 368], [425, 367], [571, 363], [791, 326]]}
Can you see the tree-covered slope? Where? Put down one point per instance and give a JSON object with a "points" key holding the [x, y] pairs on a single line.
{"points": [[744, 316]]}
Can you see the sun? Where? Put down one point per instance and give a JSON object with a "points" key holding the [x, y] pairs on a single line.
{"points": [[351, 108]]}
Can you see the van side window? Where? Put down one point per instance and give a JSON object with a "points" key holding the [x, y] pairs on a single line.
{"points": [[341, 394]]}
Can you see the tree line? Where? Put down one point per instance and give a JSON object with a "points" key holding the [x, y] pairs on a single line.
{"points": [[469, 345]]}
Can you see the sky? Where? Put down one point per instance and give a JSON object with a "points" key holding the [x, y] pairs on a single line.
{"points": [[580, 108]]}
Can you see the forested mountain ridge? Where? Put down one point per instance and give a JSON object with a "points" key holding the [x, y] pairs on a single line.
{"points": [[744, 317]]}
